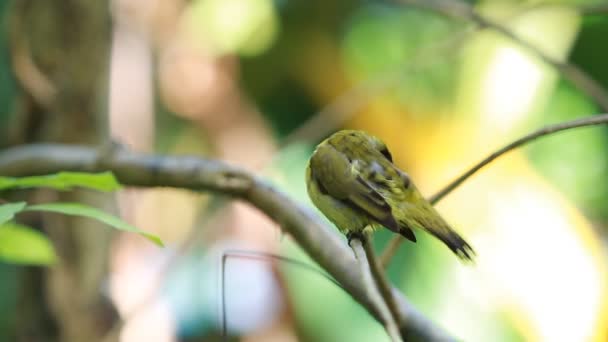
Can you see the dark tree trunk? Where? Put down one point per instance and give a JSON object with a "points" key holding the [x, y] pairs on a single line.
{"points": [[59, 53]]}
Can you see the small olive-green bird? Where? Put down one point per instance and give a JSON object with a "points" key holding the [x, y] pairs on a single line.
{"points": [[351, 178]]}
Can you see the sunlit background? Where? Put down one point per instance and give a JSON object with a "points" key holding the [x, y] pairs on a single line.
{"points": [[259, 83]]}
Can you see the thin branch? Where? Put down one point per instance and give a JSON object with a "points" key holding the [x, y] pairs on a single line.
{"points": [[135, 169], [368, 281], [599, 119], [600, 8], [596, 9], [378, 273], [158, 281], [390, 251], [461, 9], [547, 130]]}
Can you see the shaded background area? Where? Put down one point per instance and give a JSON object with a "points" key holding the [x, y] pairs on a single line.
{"points": [[259, 83]]}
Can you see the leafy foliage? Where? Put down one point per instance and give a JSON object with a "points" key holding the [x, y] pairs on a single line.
{"points": [[76, 209], [104, 181], [8, 211], [24, 245]]}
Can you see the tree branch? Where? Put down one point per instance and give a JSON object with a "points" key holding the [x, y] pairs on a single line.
{"points": [[370, 283], [461, 9], [378, 274], [599, 119], [135, 169], [547, 130]]}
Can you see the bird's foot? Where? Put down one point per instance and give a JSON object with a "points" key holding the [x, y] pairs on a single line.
{"points": [[353, 235]]}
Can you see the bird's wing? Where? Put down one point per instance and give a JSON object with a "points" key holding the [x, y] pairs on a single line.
{"points": [[389, 183], [341, 178]]}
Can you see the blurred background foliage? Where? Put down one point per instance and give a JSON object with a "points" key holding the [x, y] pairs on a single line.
{"points": [[259, 83]]}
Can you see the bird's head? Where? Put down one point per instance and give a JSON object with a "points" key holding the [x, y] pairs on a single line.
{"points": [[355, 137]]}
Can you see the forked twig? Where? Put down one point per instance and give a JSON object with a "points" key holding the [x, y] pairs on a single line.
{"points": [[198, 174]]}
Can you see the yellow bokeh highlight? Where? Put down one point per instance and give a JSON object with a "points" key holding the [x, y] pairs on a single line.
{"points": [[540, 263], [246, 27]]}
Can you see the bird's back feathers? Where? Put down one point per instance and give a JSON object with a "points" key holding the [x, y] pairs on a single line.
{"points": [[356, 170]]}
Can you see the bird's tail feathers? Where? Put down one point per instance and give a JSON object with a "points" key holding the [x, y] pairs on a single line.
{"points": [[434, 224], [457, 244]]}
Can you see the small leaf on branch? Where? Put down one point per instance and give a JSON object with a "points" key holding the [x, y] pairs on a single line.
{"points": [[77, 209], [8, 211], [103, 181], [23, 245]]}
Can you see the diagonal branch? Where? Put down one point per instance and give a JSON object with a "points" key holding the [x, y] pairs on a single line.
{"points": [[373, 291], [135, 169], [599, 119], [461, 9], [547, 130], [377, 272]]}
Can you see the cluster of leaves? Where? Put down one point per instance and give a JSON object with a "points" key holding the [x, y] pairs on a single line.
{"points": [[25, 245]]}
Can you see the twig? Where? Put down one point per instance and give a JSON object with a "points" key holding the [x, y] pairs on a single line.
{"points": [[600, 8], [547, 130], [306, 227], [365, 267], [113, 334], [378, 273], [599, 119], [461, 9], [596, 9], [159, 279]]}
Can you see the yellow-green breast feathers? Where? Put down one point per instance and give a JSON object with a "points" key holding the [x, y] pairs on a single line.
{"points": [[352, 180]]}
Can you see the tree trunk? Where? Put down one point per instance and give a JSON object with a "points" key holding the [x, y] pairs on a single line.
{"points": [[59, 53]]}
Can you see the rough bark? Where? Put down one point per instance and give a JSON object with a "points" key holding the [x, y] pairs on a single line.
{"points": [[59, 53]]}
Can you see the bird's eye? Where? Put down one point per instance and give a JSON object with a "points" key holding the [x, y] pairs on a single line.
{"points": [[387, 154]]}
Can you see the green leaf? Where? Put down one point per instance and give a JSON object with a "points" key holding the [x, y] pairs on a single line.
{"points": [[77, 209], [24, 245], [104, 181], [8, 211]]}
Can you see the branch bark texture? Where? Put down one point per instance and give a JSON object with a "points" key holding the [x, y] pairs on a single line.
{"points": [[361, 254], [462, 9], [306, 227]]}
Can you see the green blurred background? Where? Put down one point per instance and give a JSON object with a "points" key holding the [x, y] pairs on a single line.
{"points": [[259, 83]]}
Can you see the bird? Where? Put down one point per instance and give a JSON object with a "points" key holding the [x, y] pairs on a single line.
{"points": [[352, 180]]}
